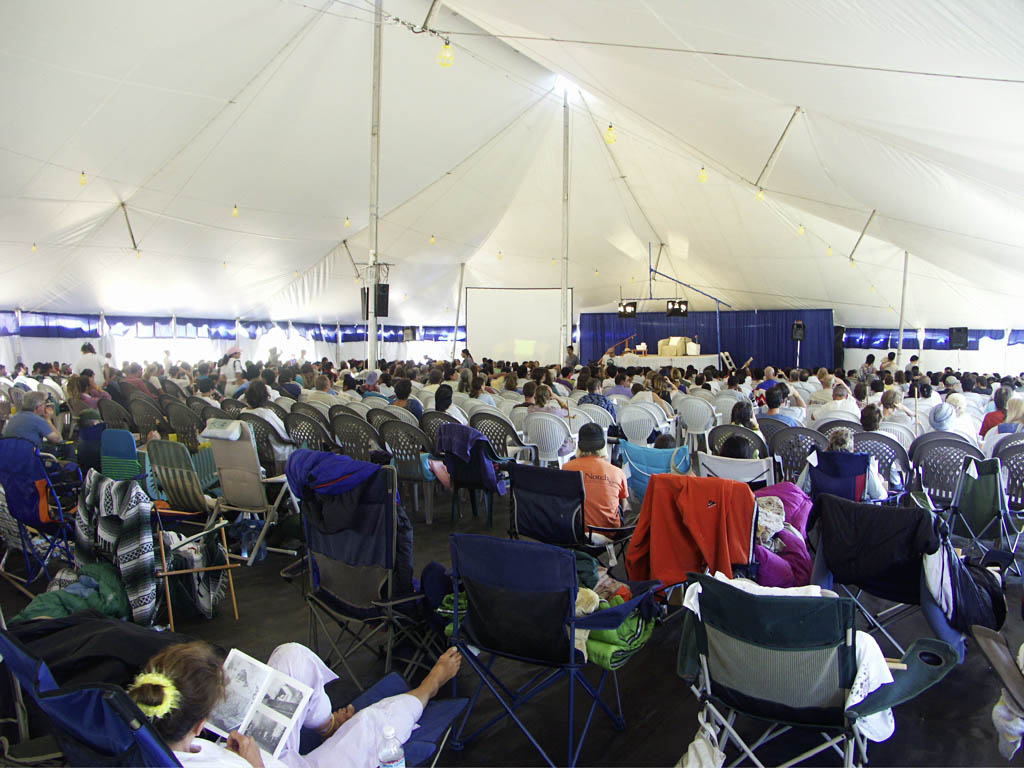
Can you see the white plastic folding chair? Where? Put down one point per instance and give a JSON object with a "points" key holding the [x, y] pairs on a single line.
{"points": [[577, 419], [484, 408], [403, 414], [359, 407], [459, 398], [508, 394], [724, 403], [242, 481], [901, 433], [697, 416], [285, 402], [619, 400], [637, 423], [576, 394], [756, 472], [597, 414], [548, 432], [470, 405], [518, 416], [458, 410]]}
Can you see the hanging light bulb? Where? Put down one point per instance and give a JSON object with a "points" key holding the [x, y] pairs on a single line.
{"points": [[447, 55], [596, 273], [348, 223], [828, 252], [83, 180], [703, 175], [760, 194], [800, 230], [34, 248], [499, 255], [852, 263], [609, 135], [138, 254], [234, 211], [552, 261], [433, 239], [872, 288], [224, 265]]}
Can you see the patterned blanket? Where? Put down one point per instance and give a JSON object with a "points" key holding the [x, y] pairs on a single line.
{"points": [[113, 524]]}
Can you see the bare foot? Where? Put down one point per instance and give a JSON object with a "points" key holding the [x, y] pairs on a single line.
{"points": [[337, 720], [445, 669]]}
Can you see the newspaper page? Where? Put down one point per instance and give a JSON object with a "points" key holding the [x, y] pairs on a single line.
{"points": [[260, 702]]}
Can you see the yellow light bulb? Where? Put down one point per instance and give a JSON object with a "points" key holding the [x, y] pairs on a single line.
{"points": [[609, 135], [138, 254], [447, 55], [760, 195], [800, 230], [82, 179], [225, 265], [828, 251], [703, 175], [552, 262], [234, 211], [348, 222], [872, 289], [852, 263], [433, 239], [34, 248], [499, 255], [632, 279], [596, 273], [296, 273]]}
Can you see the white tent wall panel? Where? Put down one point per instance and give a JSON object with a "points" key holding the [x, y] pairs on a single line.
{"points": [[992, 357]]}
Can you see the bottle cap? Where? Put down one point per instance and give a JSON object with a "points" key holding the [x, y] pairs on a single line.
{"points": [[389, 732]]}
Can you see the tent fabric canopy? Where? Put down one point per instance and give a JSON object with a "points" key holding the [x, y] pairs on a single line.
{"points": [[183, 111]]}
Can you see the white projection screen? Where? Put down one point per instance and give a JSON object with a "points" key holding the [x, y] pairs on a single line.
{"points": [[515, 323]]}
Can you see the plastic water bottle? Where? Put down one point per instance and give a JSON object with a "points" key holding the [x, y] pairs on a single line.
{"points": [[391, 753]]}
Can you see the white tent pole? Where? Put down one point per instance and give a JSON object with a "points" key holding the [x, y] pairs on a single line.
{"points": [[373, 269], [863, 232], [458, 311], [435, 6], [770, 162], [17, 343], [903, 303], [566, 336]]}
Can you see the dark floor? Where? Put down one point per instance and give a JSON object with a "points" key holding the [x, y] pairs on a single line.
{"points": [[949, 725]]}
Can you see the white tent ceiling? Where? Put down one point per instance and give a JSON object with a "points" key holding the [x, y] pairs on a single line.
{"points": [[183, 110]]}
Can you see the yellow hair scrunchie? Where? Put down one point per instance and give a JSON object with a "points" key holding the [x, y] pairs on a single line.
{"points": [[171, 695]]}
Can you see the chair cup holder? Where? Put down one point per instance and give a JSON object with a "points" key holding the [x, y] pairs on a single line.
{"points": [[930, 658]]}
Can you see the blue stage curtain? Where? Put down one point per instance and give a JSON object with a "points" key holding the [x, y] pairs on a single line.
{"points": [[1016, 337], [8, 324], [54, 326], [765, 335], [442, 333]]}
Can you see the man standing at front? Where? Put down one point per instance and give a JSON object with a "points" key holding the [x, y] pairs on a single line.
{"points": [[571, 358]]}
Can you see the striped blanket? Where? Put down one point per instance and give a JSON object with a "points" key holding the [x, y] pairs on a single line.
{"points": [[113, 524]]}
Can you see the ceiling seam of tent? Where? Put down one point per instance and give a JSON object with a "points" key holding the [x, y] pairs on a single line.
{"points": [[281, 56], [734, 55]]}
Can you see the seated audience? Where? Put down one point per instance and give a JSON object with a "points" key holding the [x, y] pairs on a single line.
{"points": [[1014, 421], [34, 421], [775, 399], [257, 397], [91, 394], [322, 392], [403, 399], [476, 391], [870, 418], [595, 397], [841, 401], [604, 483], [841, 441], [546, 402], [443, 403], [743, 416], [998, 416], [736, 447]]}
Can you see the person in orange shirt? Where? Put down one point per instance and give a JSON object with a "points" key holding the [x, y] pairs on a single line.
{"points": [[604, 483]]}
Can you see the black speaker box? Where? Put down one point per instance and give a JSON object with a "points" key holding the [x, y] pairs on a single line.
{"points": [[380, 306], [799, 330], [958, 338]]}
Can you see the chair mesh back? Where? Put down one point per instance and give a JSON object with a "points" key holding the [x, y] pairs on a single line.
{"points": [[718, 436], [500, 433], [1008, 442], [432, 421], [518, 417], [338, 410], [378, 416], [307, 431], [263, 435], [940, 463], [147, 417], [886, 452], [929, 437], [357, 438], [828, 427], [981, 497], [403, 414], [757, 473], [277, 409], [637, 423], [547, 431], [1013, 461], [405, 443], [114, 415], [769, 428], [310, 410], [697, 414], [186, 425], [598, 414], [233, 407], [213, 412], [547, 504], [793, 445], [196, 404]]}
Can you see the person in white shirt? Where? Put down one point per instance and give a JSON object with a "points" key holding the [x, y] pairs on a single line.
{"points": [[182, 685], [322, 392], [90, 360], [841, 401], [233, 371], [257, 397]]}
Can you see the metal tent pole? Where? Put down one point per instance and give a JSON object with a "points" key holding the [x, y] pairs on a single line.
{"points": [[903, 303], [372, 268], [458, 311], [565, 332]]}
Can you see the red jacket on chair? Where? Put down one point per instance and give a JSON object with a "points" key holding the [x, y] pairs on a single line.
{"points": [[689, 524]]}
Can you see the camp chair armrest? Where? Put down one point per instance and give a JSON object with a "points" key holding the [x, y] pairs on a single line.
{"points": [[611, 618], [928, 661], [399, 601], [619, 532]]}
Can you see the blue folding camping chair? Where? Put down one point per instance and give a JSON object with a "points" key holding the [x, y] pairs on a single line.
{"points": [[548, 506], [95, 724], [473, 464], [838, 473], [643, 462], [35, 502], [120, 456], [521, 598]]}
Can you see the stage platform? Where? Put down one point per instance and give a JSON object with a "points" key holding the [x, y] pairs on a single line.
{"points": [[657, 361]]}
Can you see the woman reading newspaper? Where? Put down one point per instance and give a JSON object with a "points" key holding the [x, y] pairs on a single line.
{"points": [[182, 685]]}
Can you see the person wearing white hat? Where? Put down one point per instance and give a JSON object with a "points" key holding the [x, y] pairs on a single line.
{"points": [[233, 371]]}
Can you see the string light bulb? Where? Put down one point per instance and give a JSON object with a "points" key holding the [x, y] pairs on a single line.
{"points": [[224, 265], [138, 254], [552, 261], [609, 135], [703, 175], [852, 263], [596, 273], [447, 55], [800, 230], [433, 239], [234, 211], [828, 252], [83, 179], [872, 288], [348, 223], [760, 194], [499, 255], [34, 248]]}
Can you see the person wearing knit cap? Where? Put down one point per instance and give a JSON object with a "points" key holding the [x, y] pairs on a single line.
{"points": [[942, 417], [604, 483]]}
